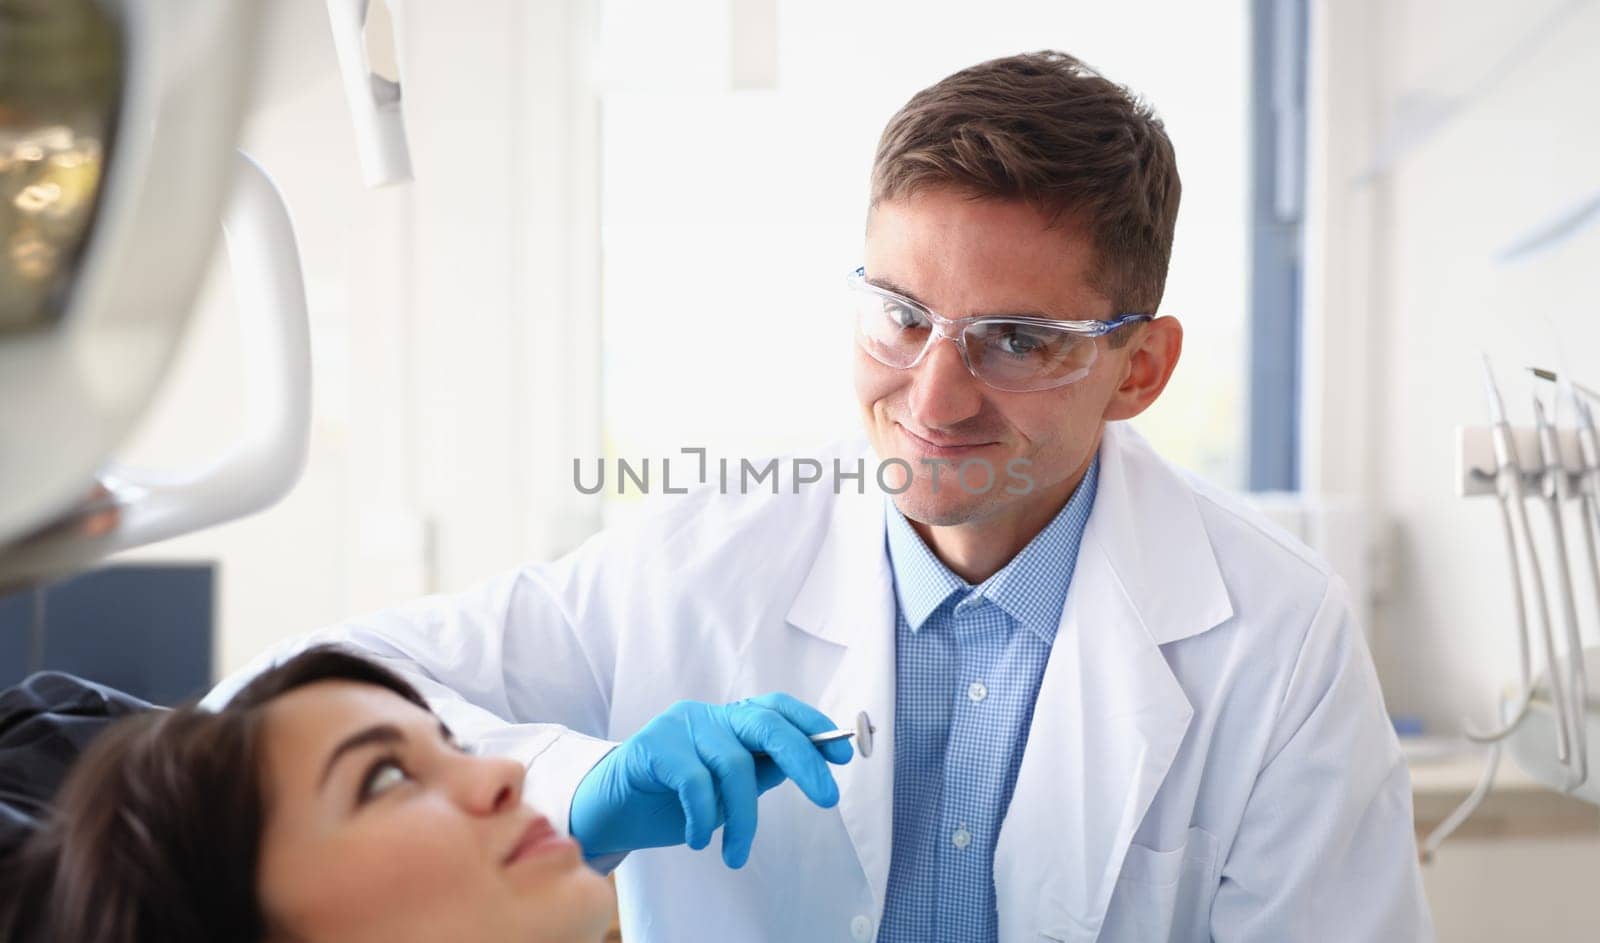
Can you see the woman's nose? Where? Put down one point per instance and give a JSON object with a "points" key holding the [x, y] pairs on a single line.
{"points": [[486, 785]]}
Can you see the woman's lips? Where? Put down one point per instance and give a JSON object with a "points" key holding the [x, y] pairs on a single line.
{"points": [[540, 838]]}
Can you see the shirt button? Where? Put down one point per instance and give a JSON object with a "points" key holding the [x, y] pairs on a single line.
{"points": [[861, 928], [961, 839], [977, 692]]}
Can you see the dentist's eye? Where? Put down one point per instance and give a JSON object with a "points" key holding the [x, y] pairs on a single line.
{"points": [[1020, 343], [904, 317], [383, 776]]}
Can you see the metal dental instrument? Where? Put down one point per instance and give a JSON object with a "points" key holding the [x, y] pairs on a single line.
{"points": [[832, 735], [1568, 689], [1550, 375], [1513, 517], [1588, 476], [1510, 492], [862, 734], [827, 736], [1589, 459], [1588, 493], [1589, 485], [1536, 575], [1553, 489]]}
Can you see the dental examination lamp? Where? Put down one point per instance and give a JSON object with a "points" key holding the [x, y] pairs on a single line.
{"points": [[119, 121]]}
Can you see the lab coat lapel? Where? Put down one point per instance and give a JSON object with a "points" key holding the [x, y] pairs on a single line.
{"points": [[847, 599], [1110, 715]]}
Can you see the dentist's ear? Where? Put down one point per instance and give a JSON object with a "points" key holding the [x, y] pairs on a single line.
{"points": [[1147, 362]]}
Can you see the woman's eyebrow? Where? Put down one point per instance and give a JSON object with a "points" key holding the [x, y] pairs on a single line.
{"points": [[382, 733]]}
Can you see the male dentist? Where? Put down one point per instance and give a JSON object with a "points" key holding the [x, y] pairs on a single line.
{"points": [[1111, 703]]}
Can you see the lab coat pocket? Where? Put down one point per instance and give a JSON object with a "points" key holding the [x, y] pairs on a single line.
{"points": [[1164, 896]]}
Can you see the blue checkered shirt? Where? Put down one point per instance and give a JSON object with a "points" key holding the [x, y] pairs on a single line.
{"points": [[967, 671]]}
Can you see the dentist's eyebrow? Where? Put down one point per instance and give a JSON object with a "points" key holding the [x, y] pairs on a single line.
{"points": [[888, 285], [371, 736]]}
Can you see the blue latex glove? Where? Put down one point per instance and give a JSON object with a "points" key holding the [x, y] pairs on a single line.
{"points": [[692, 769]]}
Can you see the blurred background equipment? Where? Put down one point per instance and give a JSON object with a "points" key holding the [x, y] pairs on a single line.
{"points": [[59, 80], [118, 122], [144, 629], [1549, 725]]}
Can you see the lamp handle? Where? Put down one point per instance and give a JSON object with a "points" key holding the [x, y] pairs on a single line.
{"points": [[137, 506]]}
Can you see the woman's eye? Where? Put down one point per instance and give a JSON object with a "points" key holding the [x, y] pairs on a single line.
{"points": [[383, 776]]}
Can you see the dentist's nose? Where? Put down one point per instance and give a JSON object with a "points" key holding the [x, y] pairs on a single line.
{"points": [[943, 391]]}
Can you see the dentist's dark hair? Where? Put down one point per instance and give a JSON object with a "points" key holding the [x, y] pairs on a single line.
{"points": [[156, 834], [1046, 129]]}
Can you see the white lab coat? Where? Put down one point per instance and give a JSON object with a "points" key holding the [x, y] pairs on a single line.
{"points": [[1209, 757]]}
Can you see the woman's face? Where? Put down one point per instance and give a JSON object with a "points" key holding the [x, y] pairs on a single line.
{"points": [[378, 827]]}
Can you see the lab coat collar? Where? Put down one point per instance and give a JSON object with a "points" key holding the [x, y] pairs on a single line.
{"points": [[848, 599], [1147, 523], [1110, 715]]}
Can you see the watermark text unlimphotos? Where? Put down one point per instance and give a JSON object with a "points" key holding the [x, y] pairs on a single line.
{"points": [[743, 476]]}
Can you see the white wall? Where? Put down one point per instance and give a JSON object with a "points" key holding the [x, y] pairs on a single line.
{"points": [[1524, 152], [1442, 131], [1406, 290]]}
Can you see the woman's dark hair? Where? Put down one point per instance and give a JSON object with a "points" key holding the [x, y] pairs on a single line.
{"points": [[156, 833]]}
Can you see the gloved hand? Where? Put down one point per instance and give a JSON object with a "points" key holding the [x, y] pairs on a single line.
{"points": [[692, 769]]}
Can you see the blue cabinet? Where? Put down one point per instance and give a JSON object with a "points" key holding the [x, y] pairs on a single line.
{"points": [[144, 629]]}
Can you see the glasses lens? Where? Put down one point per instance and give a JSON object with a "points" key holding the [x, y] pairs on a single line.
{"points": [[1019, 356], [893, 332]]}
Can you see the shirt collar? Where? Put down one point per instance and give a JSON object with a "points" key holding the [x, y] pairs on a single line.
{"points": [[921, 582], [1031, 588]]}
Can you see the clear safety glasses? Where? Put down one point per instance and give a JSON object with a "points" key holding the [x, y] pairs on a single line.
{"points": [[1013, 354]]}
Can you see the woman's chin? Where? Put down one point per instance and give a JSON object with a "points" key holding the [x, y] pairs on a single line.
{"points": [[577, 907], [594, 899]]}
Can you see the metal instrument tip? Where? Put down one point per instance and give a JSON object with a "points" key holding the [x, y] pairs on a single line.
{"points": [[1497, 408]]}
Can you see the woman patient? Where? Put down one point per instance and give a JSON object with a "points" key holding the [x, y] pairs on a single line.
{"points": [[325, 803]]}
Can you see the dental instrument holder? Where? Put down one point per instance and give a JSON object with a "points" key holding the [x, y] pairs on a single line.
{"points": [[1568, 469], [1475, 460]]}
